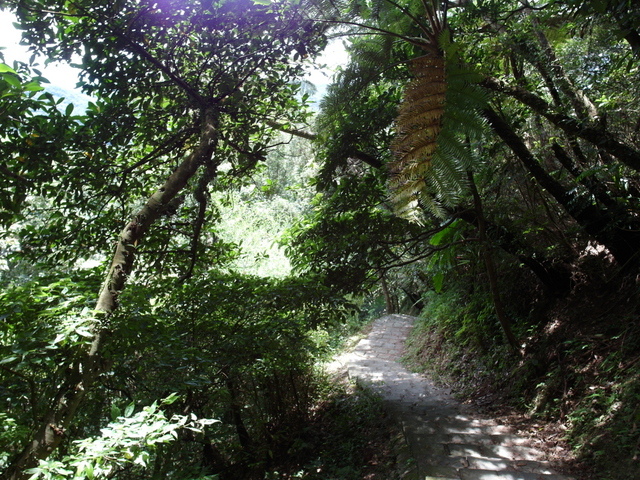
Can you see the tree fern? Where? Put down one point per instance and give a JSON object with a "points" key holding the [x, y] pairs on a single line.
{"points": [[418, 127], [437, 116], [438, 112]]}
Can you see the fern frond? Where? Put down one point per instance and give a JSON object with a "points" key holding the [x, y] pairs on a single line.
{"points": [[364, 70], [439, 114], [448, 179], [418, 126], [429, 203]]}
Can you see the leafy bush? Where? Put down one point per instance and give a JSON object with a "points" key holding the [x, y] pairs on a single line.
{"points": [[235, 348], [42, 322], [243, 349], [128, 442]]}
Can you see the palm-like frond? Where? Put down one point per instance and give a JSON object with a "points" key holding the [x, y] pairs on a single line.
{"points": [[418, 127], [438, 115], [356, 76]]}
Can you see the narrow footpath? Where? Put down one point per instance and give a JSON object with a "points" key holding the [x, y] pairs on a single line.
{"points": [[446, 439]]}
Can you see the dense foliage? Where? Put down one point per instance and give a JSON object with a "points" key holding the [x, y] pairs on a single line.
{"points": [[182, 95], [524, 184]]}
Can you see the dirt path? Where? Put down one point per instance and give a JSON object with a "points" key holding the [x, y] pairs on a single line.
{"points": [[447, 440]]}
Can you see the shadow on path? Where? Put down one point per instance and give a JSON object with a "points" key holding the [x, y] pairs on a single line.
{"points": [[447, 440]]}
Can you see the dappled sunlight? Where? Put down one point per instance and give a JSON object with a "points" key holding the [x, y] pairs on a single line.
{"points": [[447, 439]]}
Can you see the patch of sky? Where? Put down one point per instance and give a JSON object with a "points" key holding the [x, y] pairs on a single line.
{"points": [[321, 71], [61, 76]]}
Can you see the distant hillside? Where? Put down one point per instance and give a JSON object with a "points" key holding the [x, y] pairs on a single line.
{"points": [[79, 99]]}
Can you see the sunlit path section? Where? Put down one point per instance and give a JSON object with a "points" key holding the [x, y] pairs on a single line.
{"points": [[447, 440]]}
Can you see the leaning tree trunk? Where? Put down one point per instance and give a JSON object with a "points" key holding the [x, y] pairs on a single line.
{"points": [[622, 243], [85, 372], [595, 134], [553, 276], [491, 268]]}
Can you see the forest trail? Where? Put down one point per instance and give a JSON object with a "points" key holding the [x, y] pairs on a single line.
{"points": [[446, 439]]}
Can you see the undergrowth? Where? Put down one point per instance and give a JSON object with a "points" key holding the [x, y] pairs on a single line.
{"points": [[456, 351], [349, 438], [580, 370]]}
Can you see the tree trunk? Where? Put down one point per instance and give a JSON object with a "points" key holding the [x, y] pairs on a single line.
{"points": [[633, 38], [555, 279], [588, 131], [490, 266], [388, 297], [80, 379], [548, 62], [622, 243]]}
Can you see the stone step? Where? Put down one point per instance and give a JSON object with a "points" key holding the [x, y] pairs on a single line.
{"points": [[461, 429], [448, 473], [492, 464], [503, 439], [515, 452], [538, 467], [468, 474], [490, 452], [437, 423]]}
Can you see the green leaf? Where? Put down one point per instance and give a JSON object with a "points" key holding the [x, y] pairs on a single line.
{"points": [[33, 87], [171, 399], [129, 410], [83, 332], [8, 360], [6, 68], [115, 411], [88, 470], [438, 281], [11, 80]]}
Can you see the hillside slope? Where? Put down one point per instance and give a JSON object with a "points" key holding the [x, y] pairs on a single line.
{"points": [[578, 380]]}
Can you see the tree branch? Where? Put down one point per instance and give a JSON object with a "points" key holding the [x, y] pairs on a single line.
{"points": [[293, 131], [357, 154], [15, 176], [202, 197], [596, 135]]}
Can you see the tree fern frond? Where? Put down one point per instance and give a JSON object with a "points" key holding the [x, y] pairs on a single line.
{"points": [[438, 116], [420, 112], [412, 189], [428, 203], [449, 176], [413, 175], [367, 54], [453, 149], [417, 139], [418, 126], [423, 112], [416, 155]]}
